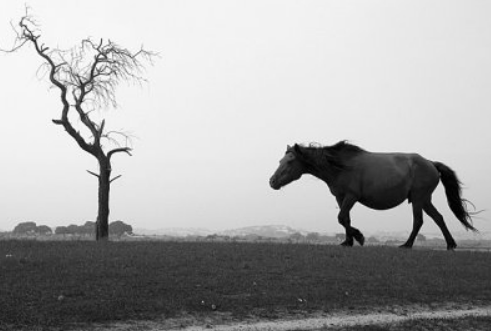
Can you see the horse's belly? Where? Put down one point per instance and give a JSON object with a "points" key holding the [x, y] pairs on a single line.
{"points": [[386, 199], [382, 205]]}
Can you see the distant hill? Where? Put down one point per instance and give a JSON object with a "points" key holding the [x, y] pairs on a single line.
{"points": [[173, 232], [271, 231]]}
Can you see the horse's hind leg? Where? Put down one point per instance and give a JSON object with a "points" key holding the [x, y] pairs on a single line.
{"points": [[417, 224], [438, 218]]}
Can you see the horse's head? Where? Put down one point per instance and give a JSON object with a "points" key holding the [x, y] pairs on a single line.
{"points": [[291, 168]]}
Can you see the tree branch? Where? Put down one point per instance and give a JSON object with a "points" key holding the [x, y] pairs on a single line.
{"points": [[93, 173], [84, 116], [126, 150], [112, 180], [58, 122]]}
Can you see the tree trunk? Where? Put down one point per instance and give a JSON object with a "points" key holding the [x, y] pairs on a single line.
{"points": [[102, 224]]}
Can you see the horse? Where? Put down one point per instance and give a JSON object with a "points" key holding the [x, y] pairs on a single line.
{"points": [[378, 181]]}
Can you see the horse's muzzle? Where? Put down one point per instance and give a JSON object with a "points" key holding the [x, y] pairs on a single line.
{"points": [[274, 183]]}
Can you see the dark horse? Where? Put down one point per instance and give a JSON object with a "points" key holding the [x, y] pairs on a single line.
{"points": [[378, 181]]}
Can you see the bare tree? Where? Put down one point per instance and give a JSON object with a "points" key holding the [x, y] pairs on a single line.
{"points": [[86, 77]]}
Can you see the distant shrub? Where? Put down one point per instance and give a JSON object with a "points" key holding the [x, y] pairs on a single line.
{"points": [[30, 228], [296, 237], [313, 236], [25, 228], [80, 230], [88, 228], [73, 229], [119, 228], [372, 240], [62, 230], [44, 230]]}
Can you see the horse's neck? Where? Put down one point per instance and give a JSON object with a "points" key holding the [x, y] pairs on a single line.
{"points": [[327, 175], [319, 167]]}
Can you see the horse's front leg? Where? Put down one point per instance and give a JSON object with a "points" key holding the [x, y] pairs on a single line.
{"points": [[345, 204]]}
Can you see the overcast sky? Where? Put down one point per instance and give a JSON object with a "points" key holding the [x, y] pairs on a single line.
{"points": [[236, 82]]}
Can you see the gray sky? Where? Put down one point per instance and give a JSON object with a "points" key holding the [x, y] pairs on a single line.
{"points": [[236, 82]]}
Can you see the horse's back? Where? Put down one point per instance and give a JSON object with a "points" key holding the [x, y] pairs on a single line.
{"points": [[387, 179], [400, 163]]}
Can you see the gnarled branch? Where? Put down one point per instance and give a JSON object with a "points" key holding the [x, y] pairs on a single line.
{"points": [[126, 150]]}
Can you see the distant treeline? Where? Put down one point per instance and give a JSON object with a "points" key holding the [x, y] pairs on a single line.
{"points": [[116, 228]]}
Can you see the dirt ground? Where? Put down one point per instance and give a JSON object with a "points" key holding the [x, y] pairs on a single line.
{"points": [[321, 321]]}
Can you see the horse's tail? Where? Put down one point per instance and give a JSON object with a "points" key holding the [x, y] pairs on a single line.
{"points": [[453, 190]]}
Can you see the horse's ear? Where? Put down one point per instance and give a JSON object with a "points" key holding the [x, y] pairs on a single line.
{"points": [[296, 149]]}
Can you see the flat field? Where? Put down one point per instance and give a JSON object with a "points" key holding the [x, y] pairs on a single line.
{"points": [[68, 284]]}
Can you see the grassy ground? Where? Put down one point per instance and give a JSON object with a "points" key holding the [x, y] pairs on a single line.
{"points": [[61, 284]]}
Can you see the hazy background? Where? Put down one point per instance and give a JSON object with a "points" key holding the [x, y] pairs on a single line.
{"points": [[236, 82]]}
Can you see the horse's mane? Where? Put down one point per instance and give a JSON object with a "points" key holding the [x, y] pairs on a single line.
{"points": [[328, 158]]}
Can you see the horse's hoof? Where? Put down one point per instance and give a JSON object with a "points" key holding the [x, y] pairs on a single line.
{"points": [[451, 247], [406, 246], [358, 236], [347, 244], [360, 239]]}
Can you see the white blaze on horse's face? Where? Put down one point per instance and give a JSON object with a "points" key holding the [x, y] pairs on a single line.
{"points": [[290, 169]]}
